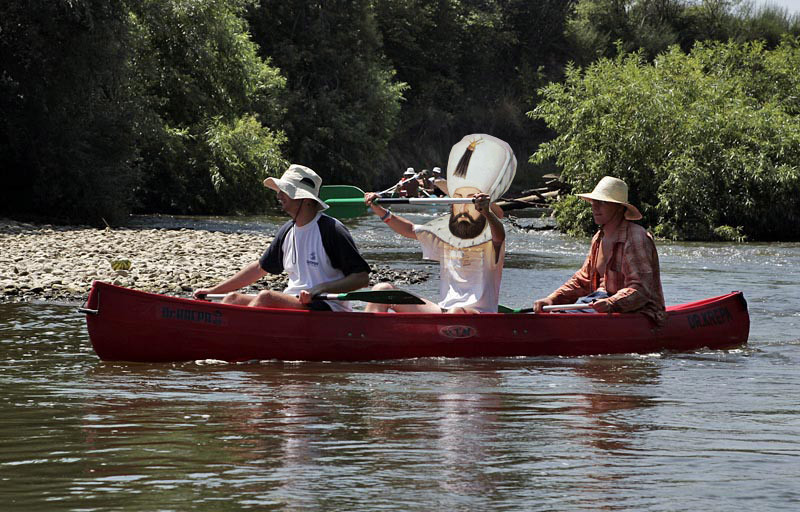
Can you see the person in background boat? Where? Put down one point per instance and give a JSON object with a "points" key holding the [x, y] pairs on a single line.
{"points": [[411, 187], [621, 273], [432, 189], [428, 183], [469, 243], [316, 251]]}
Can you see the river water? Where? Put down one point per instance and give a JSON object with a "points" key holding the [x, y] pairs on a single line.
{"points": [[711, 430]]}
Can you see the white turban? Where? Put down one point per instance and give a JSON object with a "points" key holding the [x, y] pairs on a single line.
{"points": [[483, 162]]}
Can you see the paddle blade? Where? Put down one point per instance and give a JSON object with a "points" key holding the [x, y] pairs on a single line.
{"points": [[377, 296], [340, 192], [505, 309], [345, 209]]}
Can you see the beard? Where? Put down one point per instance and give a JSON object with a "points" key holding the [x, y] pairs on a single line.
{"points": [[464, 226]]}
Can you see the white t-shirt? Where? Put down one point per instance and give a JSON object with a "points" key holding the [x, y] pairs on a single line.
{"points": [[306, 261], [468, 276]]}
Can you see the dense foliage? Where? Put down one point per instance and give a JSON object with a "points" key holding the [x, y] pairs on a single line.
{"points": [[212, 101], [342, 101], [603, 28], [709, 142], [471, 66], [185, 106], [68, 109]]}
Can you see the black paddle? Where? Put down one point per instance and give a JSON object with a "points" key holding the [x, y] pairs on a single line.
{"points": [[376, 296]]}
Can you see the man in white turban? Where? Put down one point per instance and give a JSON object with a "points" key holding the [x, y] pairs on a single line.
{"points": [[469, 243]]}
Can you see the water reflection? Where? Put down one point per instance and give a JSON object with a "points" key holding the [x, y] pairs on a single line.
{"points": [[618, 385], [710, 430], [466, 430]]}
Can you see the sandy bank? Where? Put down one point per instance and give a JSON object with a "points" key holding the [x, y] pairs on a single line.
{"points": [[59, 263]]}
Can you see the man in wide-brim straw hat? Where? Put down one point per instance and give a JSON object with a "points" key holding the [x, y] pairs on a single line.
{"points": [[316, 251], [621, 272]]}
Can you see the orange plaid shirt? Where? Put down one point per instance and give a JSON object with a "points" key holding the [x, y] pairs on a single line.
{"points": [[632, 277]]}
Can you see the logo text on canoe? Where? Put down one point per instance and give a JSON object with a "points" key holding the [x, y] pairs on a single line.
{"points": [[457, 331], [192, 315], [716, 316]]}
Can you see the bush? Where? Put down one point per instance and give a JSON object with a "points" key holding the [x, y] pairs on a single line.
{"points": [[241, 156], [212, 101], [343, 101], [704, 140]]}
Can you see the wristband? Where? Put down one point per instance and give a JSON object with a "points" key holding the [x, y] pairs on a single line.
{"points": [[385, 217]]}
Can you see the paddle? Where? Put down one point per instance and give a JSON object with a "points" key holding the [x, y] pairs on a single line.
{"points": [[346, 201], [376, 296], [343, 210], [557, 307]]}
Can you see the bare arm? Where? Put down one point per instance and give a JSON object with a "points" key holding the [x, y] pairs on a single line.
{"points": [[398, 224], [346, 284], [576, 286], [498, 231], [245, 277]]}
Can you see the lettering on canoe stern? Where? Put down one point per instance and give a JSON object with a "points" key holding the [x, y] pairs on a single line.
{"points": [[716, 316], [457, 331], [191, 315]]}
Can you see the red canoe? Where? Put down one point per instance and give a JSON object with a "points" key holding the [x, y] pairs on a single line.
{"points": [[130, 325]]}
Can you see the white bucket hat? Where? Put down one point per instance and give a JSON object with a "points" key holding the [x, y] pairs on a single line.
{"points": [[613, 190], [483, 162], [298, 182]]}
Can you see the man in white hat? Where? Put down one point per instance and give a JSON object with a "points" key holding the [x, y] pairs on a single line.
{"points": [[470, 242], [315, 250], [410, 185], [621, 273]]}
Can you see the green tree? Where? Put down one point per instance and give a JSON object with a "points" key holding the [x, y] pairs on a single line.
{"points": [[342, 99], [709, 142], [471, 66], [69, 109], [603, 28], [215, 107]]}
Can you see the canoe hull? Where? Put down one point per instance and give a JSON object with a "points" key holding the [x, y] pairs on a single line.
{"points": [[131, 325]]}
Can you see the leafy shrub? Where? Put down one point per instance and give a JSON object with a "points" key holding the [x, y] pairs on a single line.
{"points": [[241, 156], [703, 140], [212, 103]]}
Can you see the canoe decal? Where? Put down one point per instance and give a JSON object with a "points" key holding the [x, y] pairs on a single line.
{"points": [[457, 331], [716, 316], [192, 315]]}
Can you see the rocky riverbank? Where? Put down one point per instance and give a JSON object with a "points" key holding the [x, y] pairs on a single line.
{"points": [[59, 263]]}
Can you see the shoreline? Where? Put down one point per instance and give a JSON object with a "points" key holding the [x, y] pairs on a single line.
{"points": [[57, 264]]}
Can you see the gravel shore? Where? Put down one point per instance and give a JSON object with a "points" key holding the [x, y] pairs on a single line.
{"points": [[59, 263]]}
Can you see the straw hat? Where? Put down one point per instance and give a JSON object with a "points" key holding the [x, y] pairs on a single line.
{"points": [[613, 190], [298, 182]]}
